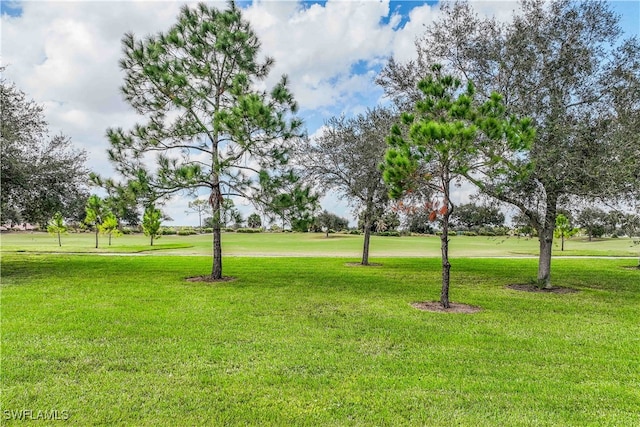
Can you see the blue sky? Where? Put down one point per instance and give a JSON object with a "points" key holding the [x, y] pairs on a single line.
{"points": [[65, 56]]}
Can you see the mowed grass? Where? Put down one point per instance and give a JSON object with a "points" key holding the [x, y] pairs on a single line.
{"points": [[312, 341], [311, 244]]}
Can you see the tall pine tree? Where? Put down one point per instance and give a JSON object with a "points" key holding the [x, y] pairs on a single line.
{"points": [[207, 122]]}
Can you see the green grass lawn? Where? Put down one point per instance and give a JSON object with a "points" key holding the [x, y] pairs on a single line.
{"points": [[311, 341], [311, 244]]}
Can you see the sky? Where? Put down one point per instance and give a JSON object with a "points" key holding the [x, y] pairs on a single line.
{"points": [[64, 55]]}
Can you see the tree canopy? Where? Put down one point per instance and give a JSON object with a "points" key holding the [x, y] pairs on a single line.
{"points": [[41, 174]]}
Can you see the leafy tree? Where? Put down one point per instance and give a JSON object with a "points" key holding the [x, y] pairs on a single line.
{"points": [[254, 221], [197, 85], [199, 206], [96, 212], [564, 229], [445, 136], [613, 219], [593, 221], [417, 221], [229, 215], [41, 174], [151, 223], [522, 225], [345, 158], [124, 198], [390, 221], [124, 206], [329, 221], [110, 226], [56, 226], [294, 205], [472, 216], [565, 65]]}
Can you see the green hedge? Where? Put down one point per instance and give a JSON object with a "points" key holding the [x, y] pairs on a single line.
{"points": [[248, 230]]}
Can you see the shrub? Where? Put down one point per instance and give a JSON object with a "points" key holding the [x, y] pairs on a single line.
{"points": [[186, 232], [355, 232], [469, 233], [168, 231], [388, 233], [130, 230], [248, 230], [207, 230]]}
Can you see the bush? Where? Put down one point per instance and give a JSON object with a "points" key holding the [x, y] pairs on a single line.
{"points": [[469, 233], [248, 230], [388, 234], [168, 231], [186, 232], [355, 232], [207, 230], [502, 231]]}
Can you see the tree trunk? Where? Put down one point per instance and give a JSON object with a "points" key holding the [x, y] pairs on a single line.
{"points": [[216, 200], [367, 231], [562, 245], [59, 241], [544, 260], [446, 266], [365, 246], [109, 239], [96, 236], [545, 235], [151, 239]]}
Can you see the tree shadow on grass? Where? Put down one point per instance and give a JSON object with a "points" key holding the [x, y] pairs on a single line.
{"points": [[436, 307], [358, 264], [208, 279], [528, 287]]}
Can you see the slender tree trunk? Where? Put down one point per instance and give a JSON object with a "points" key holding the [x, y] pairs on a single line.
{"points": [[545, 235], [151, 239], [109, 239], [446, 266], [562, 245], [96, 236], [367, 232], [216, 200], [59, 241], [367, 240], [365, 246], [444, 245]]}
